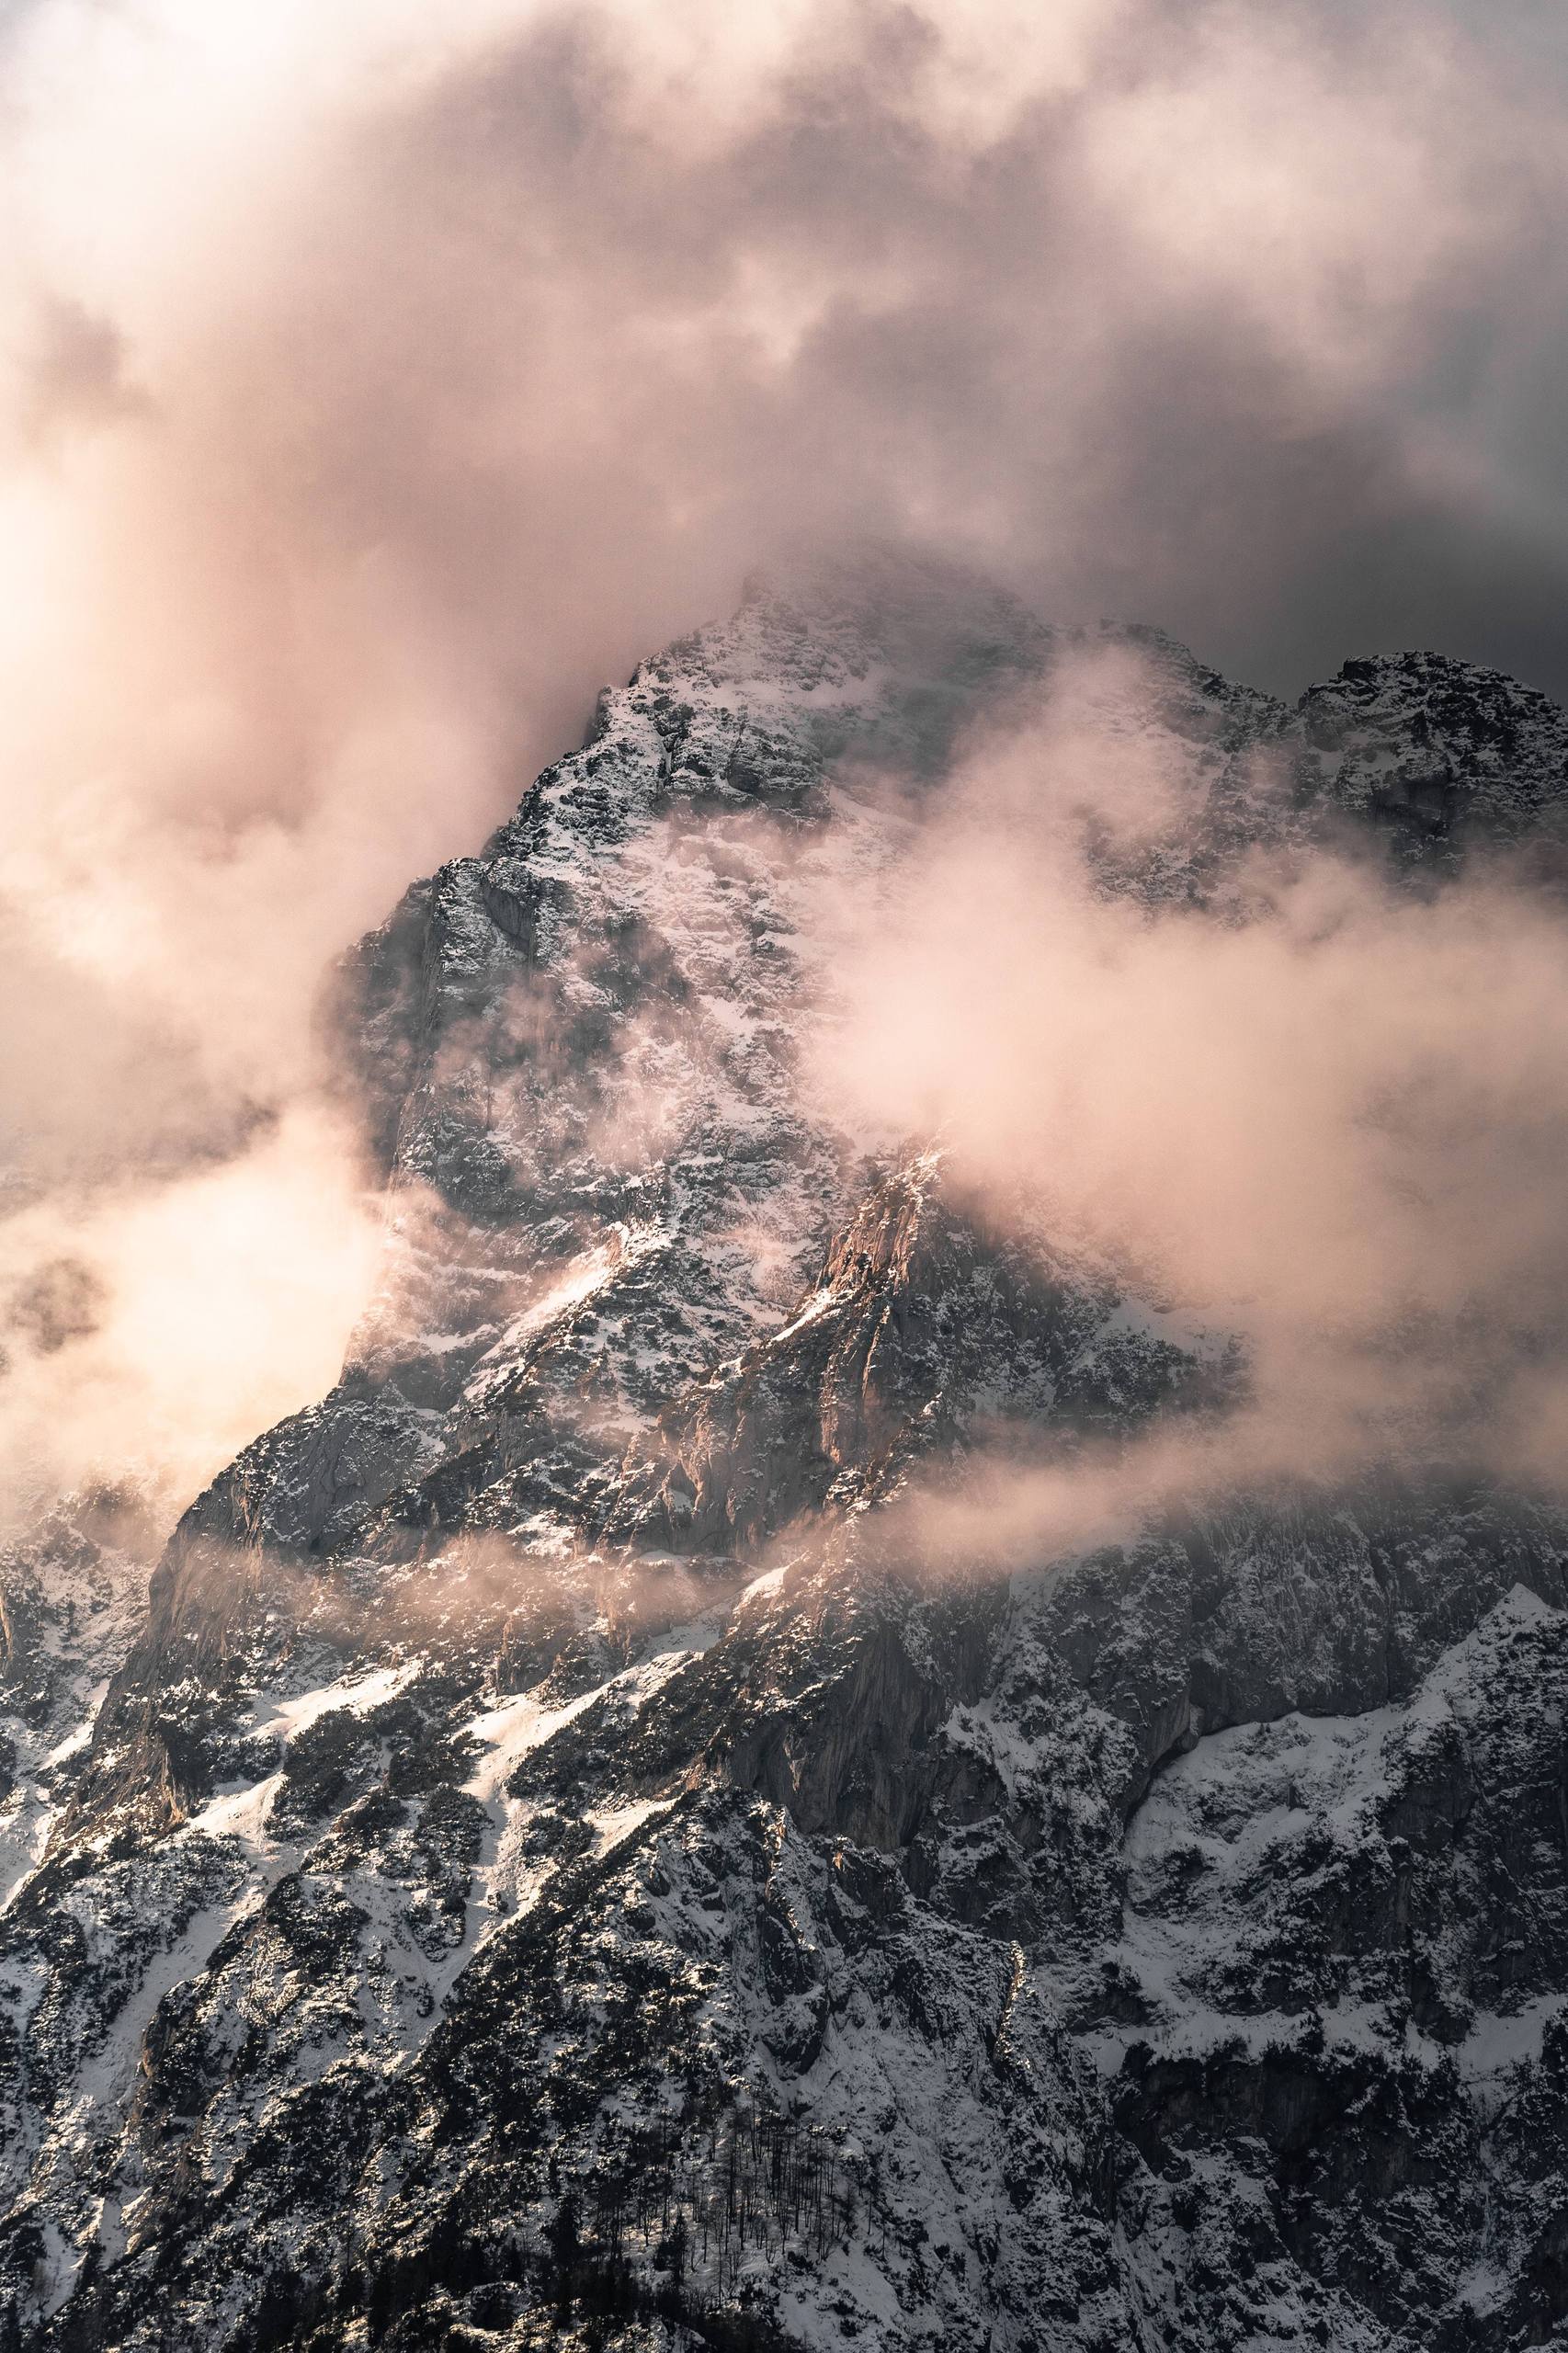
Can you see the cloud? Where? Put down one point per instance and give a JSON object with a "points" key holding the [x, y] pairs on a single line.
{"points": [[374, 384], [1331, 1113], [151, 1331]]}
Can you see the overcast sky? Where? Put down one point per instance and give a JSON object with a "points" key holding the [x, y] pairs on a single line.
{"points": [[1249, 321], [376, 381]]}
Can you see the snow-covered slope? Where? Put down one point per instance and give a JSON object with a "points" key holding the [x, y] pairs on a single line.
{"points": [[562, 1861], [71, 1597]]}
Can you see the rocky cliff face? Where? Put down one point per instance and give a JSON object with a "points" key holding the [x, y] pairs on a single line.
{"points": [[557, 1858]]}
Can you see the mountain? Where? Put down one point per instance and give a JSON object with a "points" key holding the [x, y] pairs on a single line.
{"points": [[562, 1854]]}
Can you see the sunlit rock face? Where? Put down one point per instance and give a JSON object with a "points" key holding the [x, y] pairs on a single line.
{"points": [[563, 1855]]}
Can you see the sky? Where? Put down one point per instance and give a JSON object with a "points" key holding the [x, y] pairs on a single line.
{"points": [[376, 382]]}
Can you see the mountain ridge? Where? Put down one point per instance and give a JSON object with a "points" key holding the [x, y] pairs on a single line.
{"points": [[562, 1862]]}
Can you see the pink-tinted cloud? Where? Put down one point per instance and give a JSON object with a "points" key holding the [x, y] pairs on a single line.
{"points": [[373, 384], [1331, 1115]]}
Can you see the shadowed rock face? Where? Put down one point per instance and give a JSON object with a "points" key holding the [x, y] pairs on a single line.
{"points": [[1443, 755], [562, 1858]]}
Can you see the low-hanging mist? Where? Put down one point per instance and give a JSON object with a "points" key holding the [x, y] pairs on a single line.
{"points": [[1326, 1111]]}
